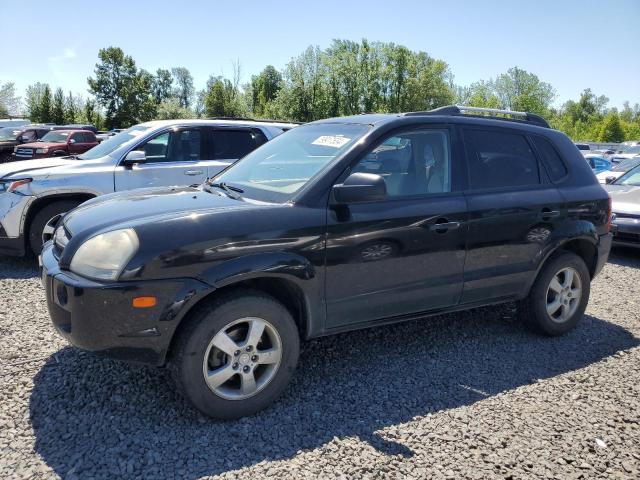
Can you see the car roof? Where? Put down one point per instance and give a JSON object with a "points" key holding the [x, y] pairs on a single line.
{"points": [[71, 130], [204, 121]]}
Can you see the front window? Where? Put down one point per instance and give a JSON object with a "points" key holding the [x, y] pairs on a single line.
{"points": [[55, 137], [276, 171], [631, 178], [8, 134], [115, 142]]}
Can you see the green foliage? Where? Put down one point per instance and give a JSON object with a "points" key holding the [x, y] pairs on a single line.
{"points": [[264, 89], [222, 99], [611, 129], [171, 109], [9, 102], [121, 89], [57, 111], [162, 85], [184, 89], [45, 105], [33, 101]]}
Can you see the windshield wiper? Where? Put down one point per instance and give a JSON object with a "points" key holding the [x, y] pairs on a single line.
{"points": [[229, 189]]}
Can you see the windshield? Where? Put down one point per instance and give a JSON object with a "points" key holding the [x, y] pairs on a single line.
{"points": [[108, 146], [56, 137], [626, 165], [9, 133], [632, 177], [278, 169]]}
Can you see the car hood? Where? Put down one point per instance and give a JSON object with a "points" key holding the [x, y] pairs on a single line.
{"points": [[43, 145], [624, 198], [26, 167], [124, 209]]}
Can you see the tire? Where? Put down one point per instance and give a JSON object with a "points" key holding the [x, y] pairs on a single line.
{"points": [[546, 310], [197, 341], [43, 217]]}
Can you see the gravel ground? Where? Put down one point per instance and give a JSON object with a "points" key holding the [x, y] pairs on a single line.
{"points": [[471, 395]]}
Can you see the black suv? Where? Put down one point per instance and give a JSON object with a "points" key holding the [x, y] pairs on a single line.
{"points": [[335, 225]]}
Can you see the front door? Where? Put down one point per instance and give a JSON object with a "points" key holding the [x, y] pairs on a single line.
{"points": [[173, 157], [405, 254]]}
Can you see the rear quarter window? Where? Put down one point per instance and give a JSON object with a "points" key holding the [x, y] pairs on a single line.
{"points": [[553, 163]]}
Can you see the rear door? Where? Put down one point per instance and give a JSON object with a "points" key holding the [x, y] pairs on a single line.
{"points": [[79, 143], [513, 211], [228, 144], [173, 157]]}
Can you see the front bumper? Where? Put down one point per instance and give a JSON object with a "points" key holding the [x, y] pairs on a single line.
{"points": [[604, 247], [13, 211], [99, 317], [626, 231]]}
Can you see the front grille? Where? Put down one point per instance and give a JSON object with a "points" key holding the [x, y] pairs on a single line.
{"points": [[627, 237], [24, 152]]}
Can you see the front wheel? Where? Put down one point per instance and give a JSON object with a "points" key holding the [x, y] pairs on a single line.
{"points": [[559, 296], [236, 356], [44, 222]]}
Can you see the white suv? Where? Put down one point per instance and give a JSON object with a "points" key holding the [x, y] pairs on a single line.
{"points": [[34, 193]]}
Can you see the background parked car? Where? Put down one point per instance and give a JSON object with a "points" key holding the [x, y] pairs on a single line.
{"points": [[618, 169], [627, 150], [57, 143], [583, 147], [15, 122], [598, 163], [34, 193], [625, 205], [10, 137]]}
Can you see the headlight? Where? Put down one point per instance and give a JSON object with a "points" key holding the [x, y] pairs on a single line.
{"points": [[42, 150], [104, 256], [10, 185]]}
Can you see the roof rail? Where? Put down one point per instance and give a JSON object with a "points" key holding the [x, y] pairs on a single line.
{"points": [[247, 119], [494, 112]]}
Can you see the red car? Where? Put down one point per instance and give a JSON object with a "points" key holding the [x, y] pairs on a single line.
{"points": [[57, 143]]}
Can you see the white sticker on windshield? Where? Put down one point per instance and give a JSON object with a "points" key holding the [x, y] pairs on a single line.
{"points": [[335, 141]]}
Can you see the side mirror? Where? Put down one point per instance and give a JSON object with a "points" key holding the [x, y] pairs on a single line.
{"points": [[609, 180], [360, 187], [133, 157], [23, 138], [72, 141]]}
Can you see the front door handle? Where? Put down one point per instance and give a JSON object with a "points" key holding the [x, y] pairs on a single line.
{"points": [[193, 172], [443, 227], [547, 213]]}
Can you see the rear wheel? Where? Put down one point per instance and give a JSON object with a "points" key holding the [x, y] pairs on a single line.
{"points": [[236, 356], [559, 296], [44, 222]]}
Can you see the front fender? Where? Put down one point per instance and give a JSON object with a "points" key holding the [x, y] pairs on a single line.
{"points": [[288, 266]]}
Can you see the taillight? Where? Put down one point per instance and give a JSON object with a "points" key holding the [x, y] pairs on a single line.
{"points": [[609, 215]]}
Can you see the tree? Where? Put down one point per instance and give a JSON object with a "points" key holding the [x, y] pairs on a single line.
{"points": [[45, 105], [222, 98], [523, 91], [171, 109], [184, 89], [611, 129], [71, 109], [264, 89], [120, 88], [9, 102], [57, 111], [162, 83], [33, 101]]}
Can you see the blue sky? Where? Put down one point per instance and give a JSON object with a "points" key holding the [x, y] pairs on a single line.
{"points": [[571, 44]]}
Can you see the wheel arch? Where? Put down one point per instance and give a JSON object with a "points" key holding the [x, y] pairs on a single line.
{"points": [[41, 202], [283, 289]]}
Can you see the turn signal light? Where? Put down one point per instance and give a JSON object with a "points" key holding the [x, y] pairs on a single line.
{"points": [[144, 302]]}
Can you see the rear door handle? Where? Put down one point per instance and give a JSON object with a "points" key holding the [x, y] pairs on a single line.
{"points": [[193, 172], [444, 227]]}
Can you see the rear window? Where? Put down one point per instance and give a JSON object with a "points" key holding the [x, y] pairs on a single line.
{"points": [[556, 169], [499, 159], [233, 144]]}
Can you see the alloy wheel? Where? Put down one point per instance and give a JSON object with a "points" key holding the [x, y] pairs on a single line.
{"points": [[242, 358], [564, 294]]}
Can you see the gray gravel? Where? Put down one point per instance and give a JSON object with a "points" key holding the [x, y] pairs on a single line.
{"points": [[472, 395]]}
